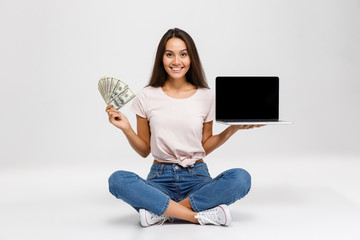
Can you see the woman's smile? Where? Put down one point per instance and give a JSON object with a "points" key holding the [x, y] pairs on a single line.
{"points": [[177, 69]]}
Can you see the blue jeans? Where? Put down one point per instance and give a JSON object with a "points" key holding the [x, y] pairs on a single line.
{"points": [[166, 182]]}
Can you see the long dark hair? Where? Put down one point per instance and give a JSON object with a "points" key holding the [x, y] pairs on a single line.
{"points": [[195, 75]]}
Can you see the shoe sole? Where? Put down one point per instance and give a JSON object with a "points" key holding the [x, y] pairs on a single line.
{"points": [[226, 210], [143, 221]]}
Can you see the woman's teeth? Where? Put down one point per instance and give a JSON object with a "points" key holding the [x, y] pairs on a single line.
{"points": [[176, 69]]}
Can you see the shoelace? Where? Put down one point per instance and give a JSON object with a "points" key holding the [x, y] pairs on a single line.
{"points": [[208, 216], [161, 219], [167, 218]]}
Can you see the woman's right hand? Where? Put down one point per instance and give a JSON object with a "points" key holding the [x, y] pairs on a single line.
{"points": [[118, 119]]}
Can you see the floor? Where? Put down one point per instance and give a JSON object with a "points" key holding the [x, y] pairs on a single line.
{"points": [[300, 197]]}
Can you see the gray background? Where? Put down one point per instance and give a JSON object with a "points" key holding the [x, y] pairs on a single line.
{"points": [[58, 148], [54, 52]]}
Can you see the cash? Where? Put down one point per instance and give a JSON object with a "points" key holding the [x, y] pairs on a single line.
{"points": [[115, 92]]}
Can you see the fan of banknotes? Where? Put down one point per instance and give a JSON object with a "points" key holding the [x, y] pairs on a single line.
{"points": [[115, 92]]}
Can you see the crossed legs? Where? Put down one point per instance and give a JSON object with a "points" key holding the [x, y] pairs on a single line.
{"points": [[181, 210], [227, 188]]}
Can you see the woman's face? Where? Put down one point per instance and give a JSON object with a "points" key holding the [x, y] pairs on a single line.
{"points": [[176, 59]]}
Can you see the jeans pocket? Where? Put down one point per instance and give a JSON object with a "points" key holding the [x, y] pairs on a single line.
{"points": [[152, 175], [201, 173]]}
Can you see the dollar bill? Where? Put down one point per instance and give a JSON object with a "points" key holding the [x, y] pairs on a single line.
{"points": [[101, 89], [107, 91], [115, 92], [120, 100], [118, 89]]}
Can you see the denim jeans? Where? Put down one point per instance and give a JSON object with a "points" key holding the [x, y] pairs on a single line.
{"points": [[165, 182]]}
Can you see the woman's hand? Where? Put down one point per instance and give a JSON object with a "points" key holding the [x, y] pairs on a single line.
{"points": [[238, 127], [118, 119]]}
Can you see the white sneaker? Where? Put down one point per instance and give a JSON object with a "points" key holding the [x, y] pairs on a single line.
{"points": [[219, 215], [148, 218]]}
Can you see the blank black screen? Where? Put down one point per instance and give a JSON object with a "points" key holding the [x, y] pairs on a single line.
{"points": [[247, 98]]}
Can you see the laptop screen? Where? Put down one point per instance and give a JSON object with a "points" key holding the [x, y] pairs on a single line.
{"points": [[246, 98]]}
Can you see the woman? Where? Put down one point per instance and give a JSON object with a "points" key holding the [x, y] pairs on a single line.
{"points": [[175, 115]]}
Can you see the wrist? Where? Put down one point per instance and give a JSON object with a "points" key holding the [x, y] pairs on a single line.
{"points": [[233, 128], [126, 130]]}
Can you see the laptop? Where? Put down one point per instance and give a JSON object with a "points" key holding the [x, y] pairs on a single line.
{"points": [[247, 100]]}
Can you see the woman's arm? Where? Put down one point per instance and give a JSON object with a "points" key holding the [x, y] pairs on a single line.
{"points": [[140, 142], [211, 142]]}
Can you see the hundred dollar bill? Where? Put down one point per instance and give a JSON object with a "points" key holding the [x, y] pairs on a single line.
{"points": [[102, 95], [118, 89], [101, 89], [113, 83], [120, 100], [107, 87]]}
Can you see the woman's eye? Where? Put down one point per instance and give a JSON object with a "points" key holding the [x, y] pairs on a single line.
{"points": [[184, 54], [169, 54]]}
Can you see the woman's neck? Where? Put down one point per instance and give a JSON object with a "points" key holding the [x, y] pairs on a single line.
{"points": [[177, 84]]}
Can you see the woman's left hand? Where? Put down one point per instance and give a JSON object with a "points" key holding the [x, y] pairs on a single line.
{"points": [[238, 127]]}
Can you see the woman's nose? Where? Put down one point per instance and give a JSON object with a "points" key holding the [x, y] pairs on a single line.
{"points": [[176, 60]]}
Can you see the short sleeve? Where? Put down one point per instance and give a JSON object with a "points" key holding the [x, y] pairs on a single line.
{"points": [[138, 105], [211, 112]]}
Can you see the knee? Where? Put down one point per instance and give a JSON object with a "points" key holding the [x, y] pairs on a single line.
{"points": [[118, 182], [241, 180]]}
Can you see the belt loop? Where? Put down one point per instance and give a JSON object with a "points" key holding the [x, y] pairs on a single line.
{"points": [[161, 170]]}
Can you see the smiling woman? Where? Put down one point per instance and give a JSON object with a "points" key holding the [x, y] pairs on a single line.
{"points": [[177, 45], [175, 114]]}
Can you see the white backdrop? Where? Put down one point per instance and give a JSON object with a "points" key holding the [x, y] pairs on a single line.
{"points": [[52, 54]]}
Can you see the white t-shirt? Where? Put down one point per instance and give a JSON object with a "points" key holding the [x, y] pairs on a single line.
{"points": [[176, 125]]}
